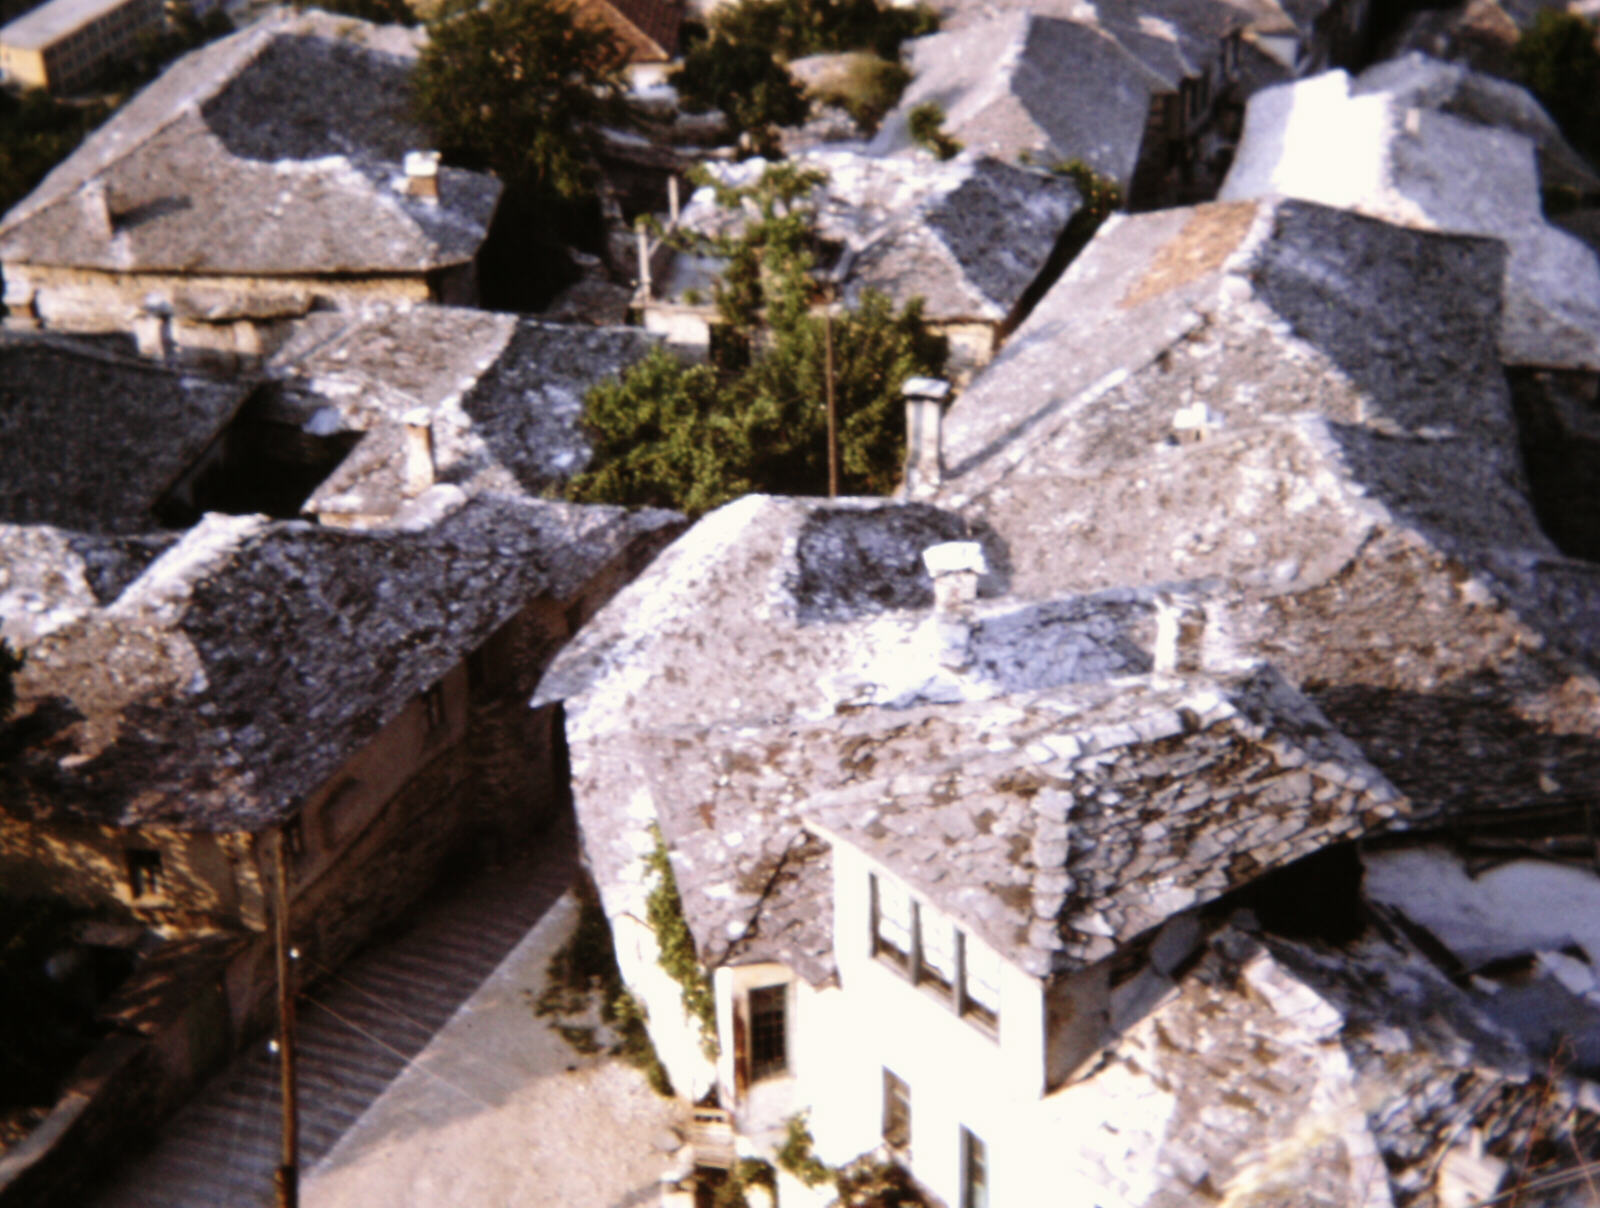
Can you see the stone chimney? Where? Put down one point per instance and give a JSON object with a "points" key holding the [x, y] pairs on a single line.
{"points": [[925, 399], [422, 174], [1180, 634], [418, 451], [1194, 423], [955, 567]]}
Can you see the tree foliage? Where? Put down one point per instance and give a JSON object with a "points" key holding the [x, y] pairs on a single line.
{"points": [[925, 123], [745, 82], [1100, 196], [792, 29], [380, 12], [36, 133], [755, 419], [515, 87], [1558, 59]]}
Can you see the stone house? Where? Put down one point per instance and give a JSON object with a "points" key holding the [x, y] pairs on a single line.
{"points": [[975, 239], [1436, 146], [63, 44], [976, 805], [268, 174], [1134, 98], [465, 400], [190, 701]]}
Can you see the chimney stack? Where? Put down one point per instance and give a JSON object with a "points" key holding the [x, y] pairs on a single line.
{"points": [[925, 399], [956, 567], [418, 451], [422, 174], [1180, 634]]}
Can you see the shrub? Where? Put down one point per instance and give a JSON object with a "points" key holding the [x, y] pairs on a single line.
{"points": [[870, 88], [925, 123]]}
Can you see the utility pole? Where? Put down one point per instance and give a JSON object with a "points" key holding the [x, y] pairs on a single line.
{"points": [[833, 411], [287, 1178]]}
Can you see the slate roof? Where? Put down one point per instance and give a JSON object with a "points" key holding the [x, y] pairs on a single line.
{"points": [[1436, 148], [820, 709], [1357, 497], [502, 396], [1054, 89], [215, 684], [968, 237], [91, 439], [275, 151]]}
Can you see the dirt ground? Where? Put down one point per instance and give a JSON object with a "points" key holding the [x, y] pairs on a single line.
{"points": [[500, 1110]]}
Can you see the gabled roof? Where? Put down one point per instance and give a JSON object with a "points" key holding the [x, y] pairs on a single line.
{"points": [[1439, 150], [91, 439], [821, 709], [648, 28], [1304, 409], [968, 237], [1056, 90], [502, 397], [276, 151], [1070, 822], [211, 684]]}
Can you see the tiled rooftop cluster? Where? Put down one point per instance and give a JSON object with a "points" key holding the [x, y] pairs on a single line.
{"points": [[91, 438], [211, 682], [275, 151], [968, 237], [500, 397]]}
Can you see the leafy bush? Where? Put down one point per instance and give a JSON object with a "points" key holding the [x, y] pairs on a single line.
{"points": [[1100, 196], [515, 87], [870, 88], [925, 123], [755, 419], [1557, 58], [795, 1154], [664, 912], [380, 12], [793, 29], [745, 82]]}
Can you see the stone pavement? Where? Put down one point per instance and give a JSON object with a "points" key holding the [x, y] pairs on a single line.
{"points": [[500, 1110]]}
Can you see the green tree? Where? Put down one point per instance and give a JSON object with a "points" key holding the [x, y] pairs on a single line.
{"points": [[925, 123], [1558, 59], [36, 133], [516, 87], [791, 29], [745, 82], [693, 437], [380, 12]]}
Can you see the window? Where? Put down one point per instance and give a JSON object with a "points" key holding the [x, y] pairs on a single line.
{"points": [[974, 1171], [896, 1111], [934, 953], [433, 703], [980, 984], [144, 871], [891, 922], [769, 1032], [934, 942]]}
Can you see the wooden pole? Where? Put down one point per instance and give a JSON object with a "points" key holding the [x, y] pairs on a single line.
{"points": [[287, 1178], [833, 414]]}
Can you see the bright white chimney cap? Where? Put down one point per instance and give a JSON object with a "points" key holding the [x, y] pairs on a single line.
{"points": [[925, 387], [949, 557]]}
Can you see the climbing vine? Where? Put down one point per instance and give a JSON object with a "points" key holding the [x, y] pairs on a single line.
{"points": [[664, 911]]}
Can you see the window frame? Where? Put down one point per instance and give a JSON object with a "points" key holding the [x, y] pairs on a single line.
{"points": [[896, 1125], [915, 967], [774, 1000], [145, 872], [974, 1170]]}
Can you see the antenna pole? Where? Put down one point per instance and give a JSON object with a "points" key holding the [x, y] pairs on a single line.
{"points": [[287, 1178]]}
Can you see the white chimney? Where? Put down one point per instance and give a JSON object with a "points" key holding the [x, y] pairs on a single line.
{"points": [[1180, 634], [925, 398], [418, 451], [1194, 423], [422, 174], [956, 567]]}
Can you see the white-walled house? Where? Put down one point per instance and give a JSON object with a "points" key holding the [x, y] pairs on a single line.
{"points": [[954, 867]]}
